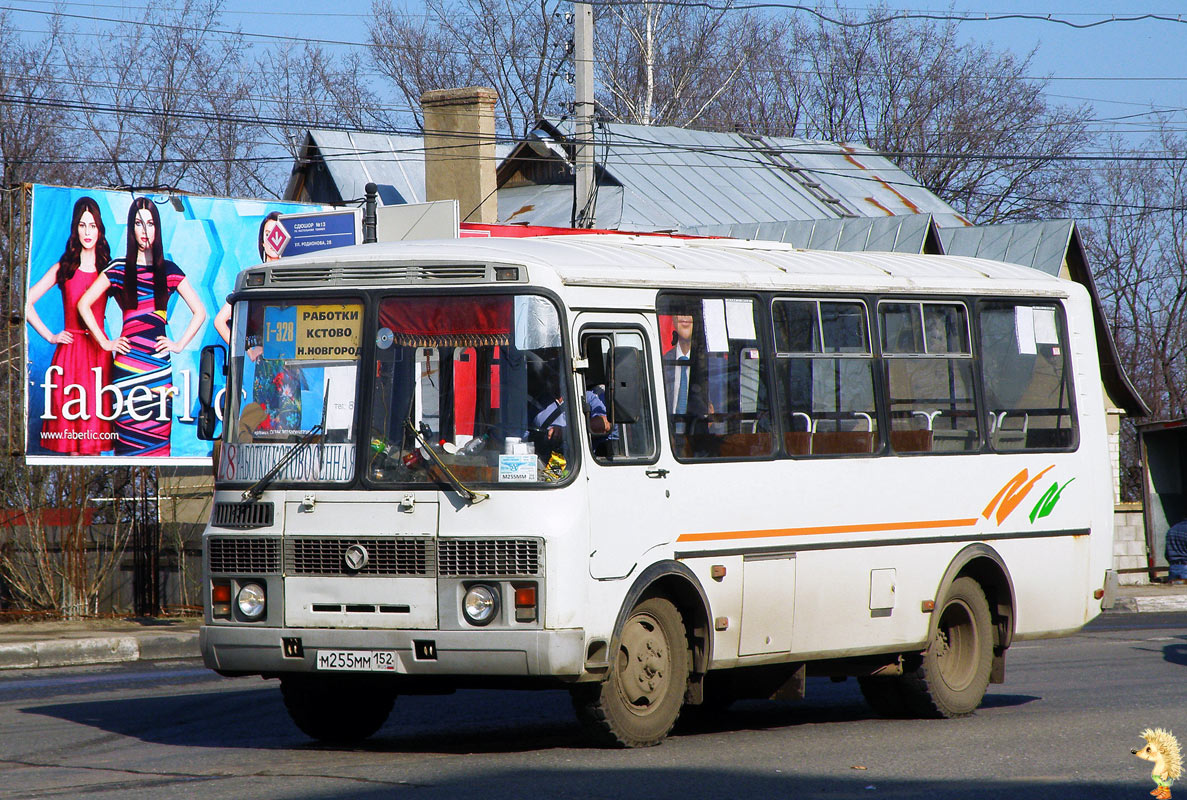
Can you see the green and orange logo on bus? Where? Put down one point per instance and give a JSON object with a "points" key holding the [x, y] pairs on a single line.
{"points": [[1016, 490]]}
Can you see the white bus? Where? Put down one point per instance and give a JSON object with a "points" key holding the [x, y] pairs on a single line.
{"points": [[658, 472]]}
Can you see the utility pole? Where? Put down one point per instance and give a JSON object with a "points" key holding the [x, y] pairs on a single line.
{"points": [[583, 115]]}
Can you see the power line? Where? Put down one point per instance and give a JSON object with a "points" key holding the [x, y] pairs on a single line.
{"points": [[903, 15], [477, 53], [624, 140], [214, 97], [215, 31]]}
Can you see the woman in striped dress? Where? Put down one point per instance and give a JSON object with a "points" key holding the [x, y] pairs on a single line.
{"points": [[142, 283]]}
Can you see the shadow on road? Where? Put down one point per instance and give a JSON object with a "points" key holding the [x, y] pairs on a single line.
{"points": [[1176, 653], [466, 722], [685, 783]]}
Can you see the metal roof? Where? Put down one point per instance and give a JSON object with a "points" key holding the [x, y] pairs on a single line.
{"points": [[655, 178], [1039, 245], [677, 179], [396, 164], [903, 234], [870, 184]]}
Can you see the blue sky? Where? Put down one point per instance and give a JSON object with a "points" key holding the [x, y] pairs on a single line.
{"points": [[1120, 68], [1123, 69]]}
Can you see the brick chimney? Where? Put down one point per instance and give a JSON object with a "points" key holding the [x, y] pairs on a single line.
{"points": [[460, 150]]}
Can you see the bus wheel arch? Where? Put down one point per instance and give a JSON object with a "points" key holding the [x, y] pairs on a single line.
{"points": [[679, 585], [985, 566]]}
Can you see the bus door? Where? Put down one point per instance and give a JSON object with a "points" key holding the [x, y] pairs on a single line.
{"points": [[625, 472]]}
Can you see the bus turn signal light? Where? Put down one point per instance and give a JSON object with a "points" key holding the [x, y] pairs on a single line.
{"points": [[525, 603], [220, 599]]}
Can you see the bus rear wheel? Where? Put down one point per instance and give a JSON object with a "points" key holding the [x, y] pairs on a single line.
{"points": [[638, 703], [336, 710], [951, 677]]}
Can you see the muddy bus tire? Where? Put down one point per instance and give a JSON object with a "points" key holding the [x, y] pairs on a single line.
{"points": [[638, 703], [336, 710], [952, 675]]}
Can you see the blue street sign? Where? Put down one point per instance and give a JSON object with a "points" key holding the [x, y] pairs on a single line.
{"points": [[320, 231]]}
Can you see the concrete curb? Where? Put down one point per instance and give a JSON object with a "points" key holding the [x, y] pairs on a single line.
{"points": [[1151, 603], [97, 650]]}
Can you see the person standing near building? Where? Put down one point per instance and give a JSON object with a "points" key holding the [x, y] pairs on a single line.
{"points": [[1176, 551]]}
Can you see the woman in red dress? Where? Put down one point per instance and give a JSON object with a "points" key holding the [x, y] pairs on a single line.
{"points": [[71, 423]]}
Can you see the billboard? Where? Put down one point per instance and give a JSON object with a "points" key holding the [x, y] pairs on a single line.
{"points": [[112, 342]]}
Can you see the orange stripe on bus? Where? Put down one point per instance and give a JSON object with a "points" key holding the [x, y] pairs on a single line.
{"points": [[818, 530]]}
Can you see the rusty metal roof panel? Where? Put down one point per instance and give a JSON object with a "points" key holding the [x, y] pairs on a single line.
{"points": [[869, 184]]}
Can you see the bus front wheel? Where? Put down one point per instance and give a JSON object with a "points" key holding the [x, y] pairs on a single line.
{"points": [[952, 675], [640, 699], [336, 710]]}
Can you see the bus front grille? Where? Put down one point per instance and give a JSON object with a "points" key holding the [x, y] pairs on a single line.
{"points": [[385, 556], [243, 554], [243, 515], [326, 555], [488, 557]]}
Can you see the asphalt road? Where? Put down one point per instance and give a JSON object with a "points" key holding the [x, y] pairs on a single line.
{"points": [[1062, 725]]}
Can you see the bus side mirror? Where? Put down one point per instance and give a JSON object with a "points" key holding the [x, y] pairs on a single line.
{"points": [[211, 364], [625, 394]]}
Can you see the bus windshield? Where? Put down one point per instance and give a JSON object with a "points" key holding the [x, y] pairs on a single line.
{"points": [[479, 380], [298, 369]]}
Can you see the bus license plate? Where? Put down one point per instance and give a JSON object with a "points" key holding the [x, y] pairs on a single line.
{"points": [[357, 660]]}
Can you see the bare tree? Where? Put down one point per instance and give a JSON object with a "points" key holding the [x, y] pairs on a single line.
{"points": [[33, 131], [517, 47], [309, 88], [1135, 230], [169, 102], [1138, 251], [686, 65], [966, 120], [64, 536]]}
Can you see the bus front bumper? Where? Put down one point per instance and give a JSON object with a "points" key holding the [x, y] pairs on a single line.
{"points": [[427, 653]]}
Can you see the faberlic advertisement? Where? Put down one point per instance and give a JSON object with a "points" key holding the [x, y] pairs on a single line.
{"points": [[124, 290]]}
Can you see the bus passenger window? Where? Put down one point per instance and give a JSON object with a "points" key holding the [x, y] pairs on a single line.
{"points": [[617, 397], [929, 375], [824, 368], [714, 378], [1027, 383]]}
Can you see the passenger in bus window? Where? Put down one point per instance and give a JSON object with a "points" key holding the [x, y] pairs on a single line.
{"points": [[678, 363], [550, 423], [685, 392]]}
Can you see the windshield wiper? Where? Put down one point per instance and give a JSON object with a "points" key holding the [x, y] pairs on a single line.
{"points": [[469, 495], [253, 491]]}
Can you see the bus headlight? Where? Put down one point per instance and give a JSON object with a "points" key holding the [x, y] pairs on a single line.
{"points": [[481, 604], [251, 600]]}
